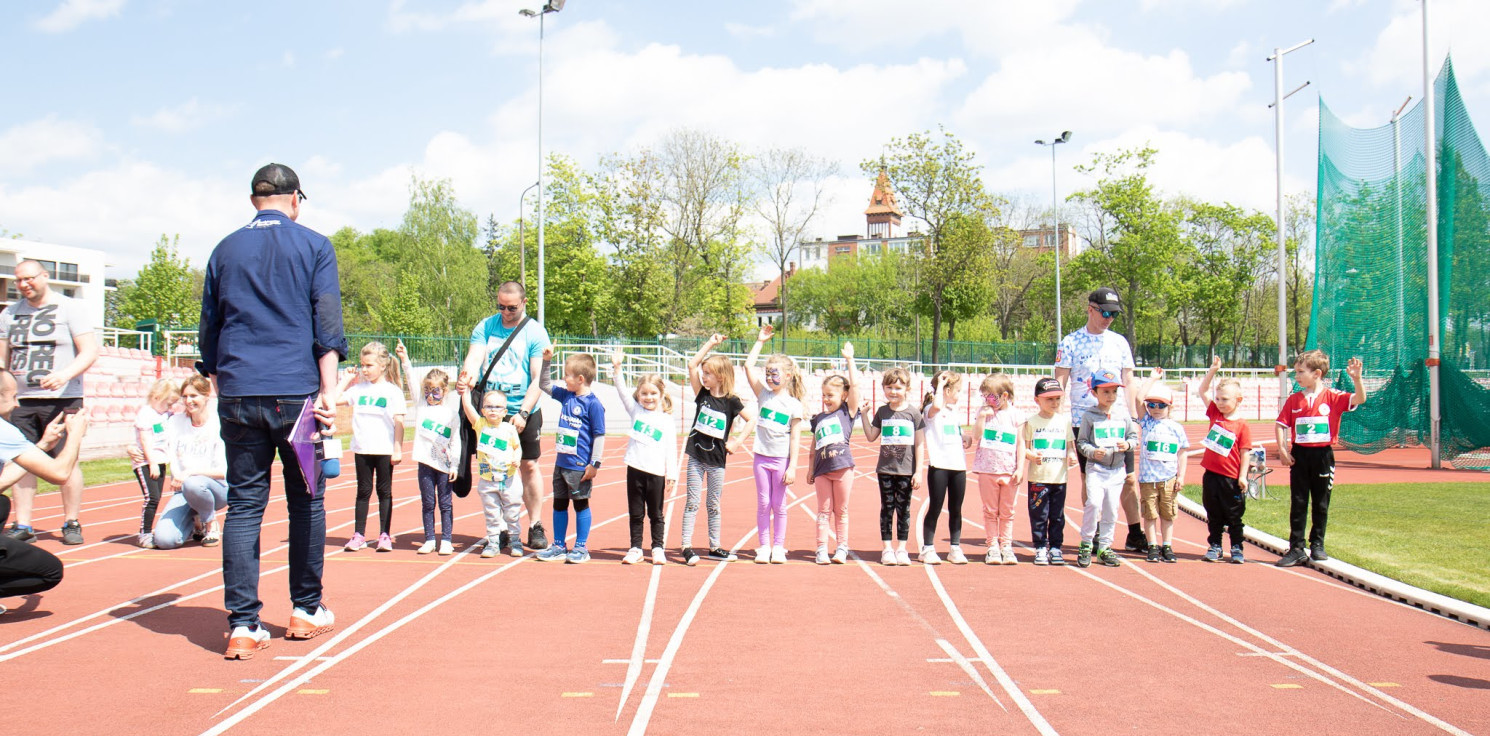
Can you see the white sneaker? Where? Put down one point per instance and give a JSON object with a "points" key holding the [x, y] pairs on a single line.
{"points": [[888, 557], [491, 549], [762, 555], [778, 555], [305, 625], [427, 547], [822, 556], [902, 557], [1042, 556], [1009, 558], [955, 555], [994, 557], [840, 556], [928, 556], [146, 541], [633, 556], [658, 556], [446, 548]]}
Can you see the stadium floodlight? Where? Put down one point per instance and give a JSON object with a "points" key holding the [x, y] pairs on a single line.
{"points": [[1055, 217], [1278, 98], [522, 238], [553, 6]]}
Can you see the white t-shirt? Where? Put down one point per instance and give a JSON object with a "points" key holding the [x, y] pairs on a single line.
{"points": [[152, 425], [374, 405], [944, 440], [193, 450], [1085, 353], [773, 434], [437, 434]]}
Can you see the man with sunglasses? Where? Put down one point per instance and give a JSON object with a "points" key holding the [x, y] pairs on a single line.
{"points": [[271, 337], [1095, 347], [516, 375]]}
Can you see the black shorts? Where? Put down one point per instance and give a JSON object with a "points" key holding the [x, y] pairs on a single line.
{"points": [[32, 416], [531, 435]]}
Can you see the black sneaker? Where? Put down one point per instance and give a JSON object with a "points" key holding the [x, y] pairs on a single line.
{"points": [[1294, 557], [72, 532], [537, 537], [1109, 558], [1168, 554], [721, 554], [690, 558], [1137, 542], [1084, 555], [1154, 555], [1316, 552], [17, 532]]}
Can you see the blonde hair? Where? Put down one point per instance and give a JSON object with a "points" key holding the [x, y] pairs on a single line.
{"points": [[840, 380], [723, 370], [996, 384], [379, 352], [486, 396], [163, 389], [582, 365], [896, 375], [436, 377], [1226, 383], [1314, 360], [653, 379], [791, 378], [198, 382], [954, 382]]}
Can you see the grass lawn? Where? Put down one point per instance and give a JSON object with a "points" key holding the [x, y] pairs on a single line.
{"points": [[1431, 535], [97, 472]]}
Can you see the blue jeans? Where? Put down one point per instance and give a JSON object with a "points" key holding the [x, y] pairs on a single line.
{"points": [[198, 500], [254, 428]]}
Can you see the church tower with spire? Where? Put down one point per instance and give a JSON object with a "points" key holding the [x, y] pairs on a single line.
{"points": [[882, 215]]}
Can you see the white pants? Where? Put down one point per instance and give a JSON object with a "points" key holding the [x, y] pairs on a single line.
{"points": [[502, 504], [1104, 494]]}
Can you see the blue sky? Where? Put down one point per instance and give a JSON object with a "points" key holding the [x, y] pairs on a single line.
{"points": [[133, 118]]}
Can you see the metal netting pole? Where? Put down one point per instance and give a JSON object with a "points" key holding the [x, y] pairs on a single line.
{"points": [[1431, 170]]}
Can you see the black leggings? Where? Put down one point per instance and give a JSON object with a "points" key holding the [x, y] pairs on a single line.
{"points": [[644, 497], [562, 504], [952, 486], [367, 467], [150, 490], [25, 568], [895, 498]]}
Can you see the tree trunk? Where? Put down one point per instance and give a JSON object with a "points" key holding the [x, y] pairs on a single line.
{"points": [[936, 329]]}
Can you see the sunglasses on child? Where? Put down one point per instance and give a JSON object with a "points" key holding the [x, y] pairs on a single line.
{"points": [[1156, 405]]}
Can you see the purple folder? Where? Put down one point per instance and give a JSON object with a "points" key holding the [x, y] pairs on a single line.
{"points": [[305, 437]]}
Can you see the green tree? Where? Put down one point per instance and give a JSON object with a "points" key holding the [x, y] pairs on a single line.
{"points": [[629, 214], [1224, 250], [704, 197], [162, 290], [790, 191], [438, 252]]}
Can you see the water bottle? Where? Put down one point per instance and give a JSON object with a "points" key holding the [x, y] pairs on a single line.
{"points": [[331, 457]]}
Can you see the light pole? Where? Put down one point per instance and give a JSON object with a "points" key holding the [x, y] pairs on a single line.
{"points": [[522, 240], [552, 6], [1278, 98], [1055, 217]]}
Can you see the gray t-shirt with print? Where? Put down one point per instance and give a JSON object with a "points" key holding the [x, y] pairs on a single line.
{"points": [[41, 341]]}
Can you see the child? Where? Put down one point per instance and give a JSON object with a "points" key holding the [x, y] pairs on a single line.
{"points": [[778, 434], [999, 463], [1050, 450], [902, 435], [946, 466], [498, 449], [436, 447], [378, 409], [709, 443], [651, 457], [1312, 416], [1161, 464], [150, 439], [1104, 439], [1223, 489], [579, 443], [831, 459]]}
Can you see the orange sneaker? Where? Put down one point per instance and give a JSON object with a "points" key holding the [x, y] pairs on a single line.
{"points": [[310, 625], [244, 642]]}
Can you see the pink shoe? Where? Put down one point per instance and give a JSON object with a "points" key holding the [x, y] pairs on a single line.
{"points": [[356, 543], [385, 543]]}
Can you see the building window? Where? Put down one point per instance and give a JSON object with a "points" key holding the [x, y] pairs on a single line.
{"points": [[67, 271], [10, 291], [842, 249], [1031, 241]]}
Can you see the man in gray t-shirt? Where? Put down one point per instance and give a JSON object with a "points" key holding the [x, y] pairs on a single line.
{"points": [[47, 342]]}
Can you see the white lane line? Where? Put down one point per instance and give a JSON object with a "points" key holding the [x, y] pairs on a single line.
{"points": [[643, 627]]}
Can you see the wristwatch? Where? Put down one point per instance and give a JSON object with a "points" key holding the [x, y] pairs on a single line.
{"points": [[524, 413], [595, 464]]}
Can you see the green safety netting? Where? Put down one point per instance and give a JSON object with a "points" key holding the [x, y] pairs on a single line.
{"points": [[1371, 275]]}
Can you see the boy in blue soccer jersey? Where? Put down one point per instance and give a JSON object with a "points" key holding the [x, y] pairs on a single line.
{"points": [[580, 443]]}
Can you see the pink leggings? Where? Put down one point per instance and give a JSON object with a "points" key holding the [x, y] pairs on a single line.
{"points": [[832, 502], [770, 490], [998, 492]]}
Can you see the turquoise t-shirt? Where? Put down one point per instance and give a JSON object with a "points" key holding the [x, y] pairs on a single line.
{"points": [[513, 374]]}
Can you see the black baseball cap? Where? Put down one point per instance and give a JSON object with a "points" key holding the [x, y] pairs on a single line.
{"points": [[1105, 299], [276, 179], [1048, 387]]}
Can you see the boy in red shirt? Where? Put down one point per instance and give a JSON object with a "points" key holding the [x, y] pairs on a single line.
{"points": [[1225, 459], [1310, 419]]}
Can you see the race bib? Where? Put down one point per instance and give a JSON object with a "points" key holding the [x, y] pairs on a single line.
{"points": [[435, 430], [897, 432], [1219, 440], [490, 443], [828, 432], [709, 422], [643, 432], [1108, 434], [771, 416], [1159, 451], [1311, 430], [999, 440], [371, 403], [1049, 448], [567, 441]]}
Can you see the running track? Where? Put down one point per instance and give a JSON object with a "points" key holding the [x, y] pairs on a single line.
{"points": [[131, 641]]}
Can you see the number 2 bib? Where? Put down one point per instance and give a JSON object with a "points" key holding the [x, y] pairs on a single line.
{"points": [[1311, 430]]}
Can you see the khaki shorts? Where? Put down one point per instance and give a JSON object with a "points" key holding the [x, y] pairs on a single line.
{"points": [[1158, 499]]}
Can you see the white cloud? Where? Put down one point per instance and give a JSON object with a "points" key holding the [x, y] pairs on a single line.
{"points": [[986, 27], [512, 33], [28, 145], [1212, 5], [1395, 61], [189, 115], [73, 13], [335, 53], [747, 32], [288, 60]]}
